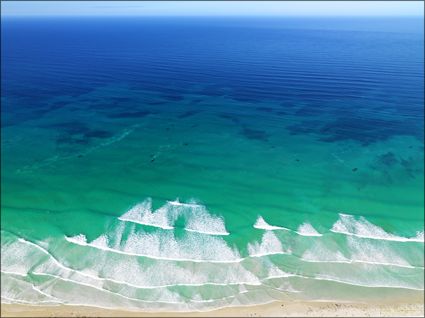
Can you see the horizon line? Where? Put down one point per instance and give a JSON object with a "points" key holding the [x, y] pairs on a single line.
{"points": [[212, 8]]}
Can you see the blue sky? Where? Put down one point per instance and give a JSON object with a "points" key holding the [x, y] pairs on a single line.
{"points": [[201, 8]]}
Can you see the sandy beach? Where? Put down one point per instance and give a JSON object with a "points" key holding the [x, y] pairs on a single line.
{"points": [[276, 309]]}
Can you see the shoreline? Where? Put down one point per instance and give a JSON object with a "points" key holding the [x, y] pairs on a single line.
{"points": [[274, 309]]}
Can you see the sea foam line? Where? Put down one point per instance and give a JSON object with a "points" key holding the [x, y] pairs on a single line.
{"points": [[285, 275], [121, 295], [304, 229], [56, 262], [151, 301], [81, 240], [319, 277], [360, 262], [253, 255], [316, 277], [348, 225], [35, 303]]}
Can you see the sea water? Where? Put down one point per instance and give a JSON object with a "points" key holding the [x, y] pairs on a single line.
{"points": [[192, 164]]}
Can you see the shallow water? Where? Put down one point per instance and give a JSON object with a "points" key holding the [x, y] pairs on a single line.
{"points": [[191, 164]]}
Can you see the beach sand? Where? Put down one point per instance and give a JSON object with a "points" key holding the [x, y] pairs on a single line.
{"points": [[276, 309]]}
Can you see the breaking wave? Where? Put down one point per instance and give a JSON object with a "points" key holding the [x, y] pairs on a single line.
{"points": [[196, 215], [349, 225], [141, 261]]}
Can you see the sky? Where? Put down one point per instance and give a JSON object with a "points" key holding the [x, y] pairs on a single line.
{"points": [[212, 8]]}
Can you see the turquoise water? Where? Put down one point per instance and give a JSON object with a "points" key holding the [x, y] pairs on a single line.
{"points": [[189, 165]]}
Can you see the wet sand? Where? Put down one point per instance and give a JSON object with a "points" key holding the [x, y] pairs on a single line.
{"points": [[275, 309]]}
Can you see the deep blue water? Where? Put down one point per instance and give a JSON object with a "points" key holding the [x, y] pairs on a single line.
{"points": [[376, 64]]}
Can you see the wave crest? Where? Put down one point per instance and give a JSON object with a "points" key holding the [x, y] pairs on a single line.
{"points": [[196, 216]]}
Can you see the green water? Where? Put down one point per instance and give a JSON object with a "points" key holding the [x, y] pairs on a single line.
{"points": [[84, 192]]}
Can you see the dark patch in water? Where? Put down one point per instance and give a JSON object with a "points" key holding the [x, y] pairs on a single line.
{"points": [[408, 165], [86, 99], [309, 111], [246, 99], [265, 109], [137, 114], [287, 105], [255, 134], [173, 97], [59, 105], [305, 127], [354, 169], [213, 90], [98, 134], [76, 133], [231, 117], [388, 163], [388, 159], [72, 127], [121, 99], [188, 113], [156, 103], [405, 163], [282, 112], [72, 140], [102, 105], [363, 130]]}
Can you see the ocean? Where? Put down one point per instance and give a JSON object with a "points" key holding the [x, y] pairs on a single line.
{"points": [[190, 163]]}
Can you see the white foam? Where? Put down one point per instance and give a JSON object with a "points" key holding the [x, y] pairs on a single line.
{"points": [[354, 283], [178, 203], [79, 239], [192, 247], [91, 286], [129, 272], [202, 222], [307, 229], [13, 273], [360, 252], [368, 280], [269, 245], [197, 218], [348, 225], [419, 236], [263, 225], [20, 257], [275, 272], [20, 290], [375, 253], [320, 253], [142, 214], [201, 252], [104, 263]]}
